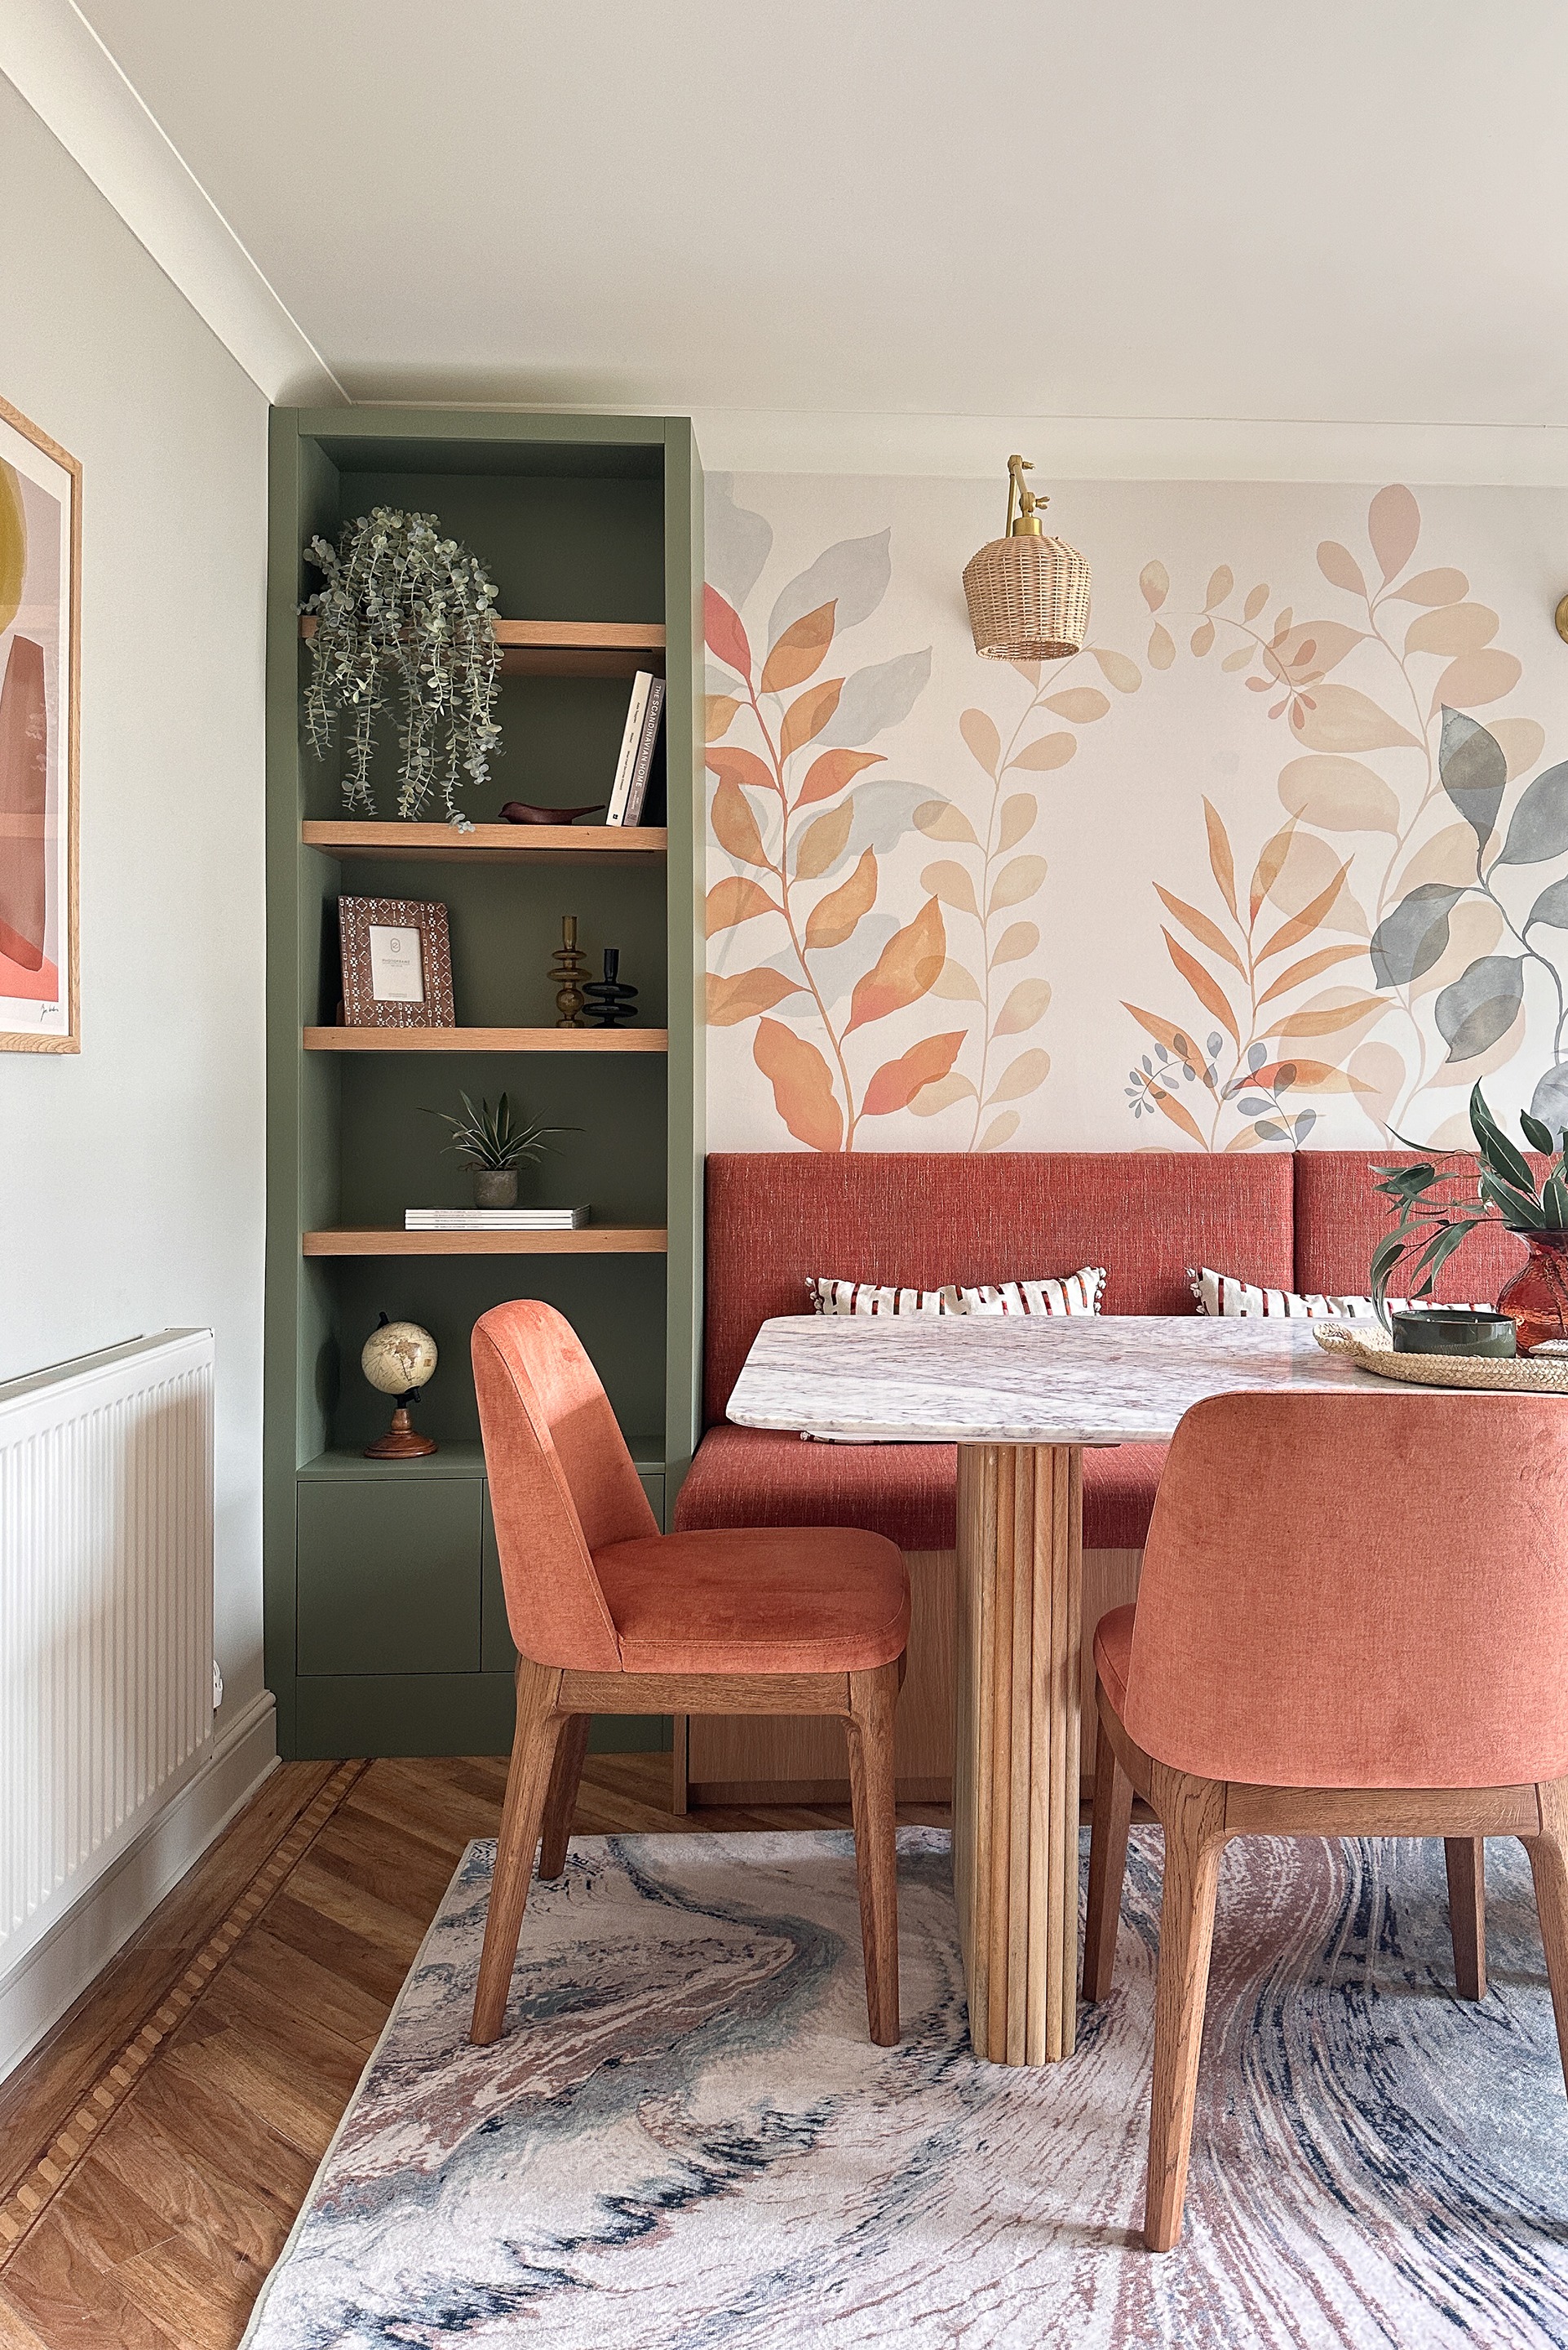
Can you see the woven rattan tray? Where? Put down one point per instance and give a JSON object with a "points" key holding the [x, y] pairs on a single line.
{"points": [[1372, 1349]]}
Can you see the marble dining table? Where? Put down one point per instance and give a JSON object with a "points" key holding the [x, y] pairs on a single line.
{"points": [[1021, 1395]]}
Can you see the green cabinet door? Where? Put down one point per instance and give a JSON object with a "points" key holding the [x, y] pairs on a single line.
{"points": [[388, 1575]]}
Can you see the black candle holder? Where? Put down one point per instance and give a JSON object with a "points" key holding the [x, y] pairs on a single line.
{"points": [[611, 1003]]}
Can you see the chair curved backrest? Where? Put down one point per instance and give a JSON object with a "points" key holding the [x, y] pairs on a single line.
{"points": [[562, 1483], [1358, 1591]]}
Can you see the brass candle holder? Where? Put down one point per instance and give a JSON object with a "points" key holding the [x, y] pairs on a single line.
{"points": [[568, 968]]}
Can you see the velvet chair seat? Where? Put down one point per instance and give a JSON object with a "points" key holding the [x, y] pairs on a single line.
{"points": [[756, 1599]]}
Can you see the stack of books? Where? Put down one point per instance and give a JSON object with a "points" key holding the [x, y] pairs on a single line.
{"points": [[494, 1219], [637, 744]]}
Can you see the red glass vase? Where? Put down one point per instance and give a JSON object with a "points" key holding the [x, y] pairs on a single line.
{"points": [[1537, 1297]]}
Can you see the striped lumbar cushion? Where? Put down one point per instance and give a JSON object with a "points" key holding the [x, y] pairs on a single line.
{"points": [[1223, 1295], [1077, 1293]]}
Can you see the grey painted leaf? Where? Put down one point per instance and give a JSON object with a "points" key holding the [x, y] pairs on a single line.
{"points": [[1410, 941], [884, 816], [1552, 907], [737, 543], [852, 575], [1473, 770], [1550, 1104], [1538, 828], [875, 699], [1480, 1005]]}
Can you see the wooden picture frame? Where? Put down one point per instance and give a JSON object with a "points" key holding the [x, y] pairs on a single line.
{"points": [[40, 711], [397, 963]]}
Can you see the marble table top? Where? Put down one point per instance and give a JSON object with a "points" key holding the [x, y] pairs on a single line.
{"points": [[1020, 1379]]}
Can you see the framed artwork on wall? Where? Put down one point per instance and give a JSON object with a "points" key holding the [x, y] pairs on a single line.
{"points": [[40, 595], [397, 963]]}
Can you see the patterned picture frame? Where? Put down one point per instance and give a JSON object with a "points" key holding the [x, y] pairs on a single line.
{"points": [[391, 947]]}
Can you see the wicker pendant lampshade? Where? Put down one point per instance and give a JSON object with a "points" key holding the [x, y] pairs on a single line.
{"points": [[1028, 594]]}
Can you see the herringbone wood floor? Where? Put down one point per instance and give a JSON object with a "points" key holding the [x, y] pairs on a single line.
{"points": [[154, 2151]]}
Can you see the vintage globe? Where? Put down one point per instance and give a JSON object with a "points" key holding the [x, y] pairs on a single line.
{"points": [[398, 1357]]}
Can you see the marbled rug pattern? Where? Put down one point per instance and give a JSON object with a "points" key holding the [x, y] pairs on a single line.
{"points": [[686, 2142]]}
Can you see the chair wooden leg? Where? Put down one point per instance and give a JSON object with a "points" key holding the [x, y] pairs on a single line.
{"points": [[1548, 1867], [1193, 1814], [539, 1724], [562, 1800], [1465, 1858], [1107, 1866], [873, 1698]]}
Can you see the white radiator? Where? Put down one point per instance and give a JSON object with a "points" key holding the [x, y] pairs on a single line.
{"points": [[105, 1613]]}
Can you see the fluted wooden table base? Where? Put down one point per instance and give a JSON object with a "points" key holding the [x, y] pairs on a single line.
{"points": [[1016, 1790]]}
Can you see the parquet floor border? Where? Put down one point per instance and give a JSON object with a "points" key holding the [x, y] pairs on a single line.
{"points": [[32, 2197]]}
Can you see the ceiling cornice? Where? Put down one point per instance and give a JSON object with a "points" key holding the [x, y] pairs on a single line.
{"points": [[58, 65]]}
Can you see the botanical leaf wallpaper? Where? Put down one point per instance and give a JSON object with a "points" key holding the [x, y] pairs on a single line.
{"points": [[1280, 859]]}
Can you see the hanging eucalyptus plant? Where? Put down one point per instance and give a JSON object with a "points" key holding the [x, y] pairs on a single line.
{"points": [[404, 607]]}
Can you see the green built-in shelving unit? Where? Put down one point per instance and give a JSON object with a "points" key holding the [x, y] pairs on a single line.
{"points": [[386, 1633]]}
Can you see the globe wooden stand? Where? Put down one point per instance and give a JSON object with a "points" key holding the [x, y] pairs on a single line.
{"points": [[402, 1440]]}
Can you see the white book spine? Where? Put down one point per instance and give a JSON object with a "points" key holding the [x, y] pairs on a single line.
{"points": [[638, 791], [631, 735]]}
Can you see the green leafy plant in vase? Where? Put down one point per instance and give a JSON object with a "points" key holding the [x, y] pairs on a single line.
{"points": [[495, 1144], [1439, 1205]]}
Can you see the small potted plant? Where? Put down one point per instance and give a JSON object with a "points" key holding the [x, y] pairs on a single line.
{"points": [[494, 1144], [1440, 1205]]}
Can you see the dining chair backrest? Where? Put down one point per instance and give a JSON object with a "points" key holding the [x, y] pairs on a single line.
{"points": [[562, 1483], [1358, 1591]]}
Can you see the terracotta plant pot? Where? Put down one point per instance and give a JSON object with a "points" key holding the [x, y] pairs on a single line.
{"points": [[1537, 1296], [495, 1187]]}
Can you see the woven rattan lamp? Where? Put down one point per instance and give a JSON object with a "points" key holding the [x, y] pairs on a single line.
{"points": [[1028, 594]]}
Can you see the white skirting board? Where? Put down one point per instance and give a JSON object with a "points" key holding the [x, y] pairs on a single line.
{"points": [[59, 1968]]}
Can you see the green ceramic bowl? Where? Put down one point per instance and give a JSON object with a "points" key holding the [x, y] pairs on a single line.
{"points": [[1450, 1332]]}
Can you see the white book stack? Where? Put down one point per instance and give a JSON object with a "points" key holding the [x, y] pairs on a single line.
{"points": [[638, 739], [494, 1219]]}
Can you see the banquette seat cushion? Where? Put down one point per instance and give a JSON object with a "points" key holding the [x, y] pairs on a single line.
{"points": [[917, 1220]]}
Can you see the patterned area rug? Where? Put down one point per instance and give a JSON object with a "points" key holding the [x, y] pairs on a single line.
{"points": [[686, 2141]]}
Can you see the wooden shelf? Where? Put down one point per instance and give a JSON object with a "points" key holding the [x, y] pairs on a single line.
{"points": [[592, 1239], [487, 1040], [569, 648], [491, 844]]}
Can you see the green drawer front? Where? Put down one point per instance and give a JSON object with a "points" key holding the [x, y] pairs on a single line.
{"points": [[388, 1577]]}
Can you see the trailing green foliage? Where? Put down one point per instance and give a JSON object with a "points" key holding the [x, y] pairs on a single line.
{"points": [[404, 607], [1432, 1222], [493, 1137]]}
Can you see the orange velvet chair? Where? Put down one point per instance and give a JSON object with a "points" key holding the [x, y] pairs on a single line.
{"points": [[1352, 1620], [609, 1615]]}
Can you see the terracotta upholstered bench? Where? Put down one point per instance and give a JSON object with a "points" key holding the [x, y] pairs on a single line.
{"points": [[918, 1219]]}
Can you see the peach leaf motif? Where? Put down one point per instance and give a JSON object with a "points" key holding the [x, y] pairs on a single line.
{"points": [[1174, 1039], [1342, 718], [897, 1083], [1340, 568], [1082, 704], [1018, 880], [1202, 637], [1207, 934], [808, 715], [1256, 599], [944, 820], [1220, 583], [1393, 525], [1477, 677], [1312, 966], [1221, 863], [735, 827], [957, 983], [834, 918], [1178, 1113], [745, 993], [907, 969], [742, 768], [1026, 1003], [737, 900], [1019, 811], [1327, 1019], [1047, 751], [1452, 629], [1154, 580], [1338, 795], [951, 883], [725, 633], [824, 841], [981, 736], [931, 1101], [718, 715], [1161, 647], [1116, 667], [1442, 586], [1020, 1076], [830, 771], [1018, 940], [1301, 925], [799, 652], [1204, 985], [1000, 1131], [802, 1084]]}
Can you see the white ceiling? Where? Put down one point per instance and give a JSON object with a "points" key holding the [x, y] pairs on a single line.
{"points": [[1339, 210]]}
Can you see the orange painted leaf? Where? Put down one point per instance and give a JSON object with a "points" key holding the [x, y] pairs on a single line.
{"points": [[1307, 1077], [745, 993], [897, 1083], [833, 917], [831, 770], [725, 633], [1178, 1113], [908, 968], [1221, 863], [1175, 1040], [1393, 525], [1302, 926], [808, 715], [802, 1083], [979, 734], [1329, 1017], [719, 716], [1247, 1139], [798, 652], [1204, 985], [1270, 865], [1047, 751], [1208, 934], [736, 900], [741, 767], [1311, 966], [734, 826]]}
